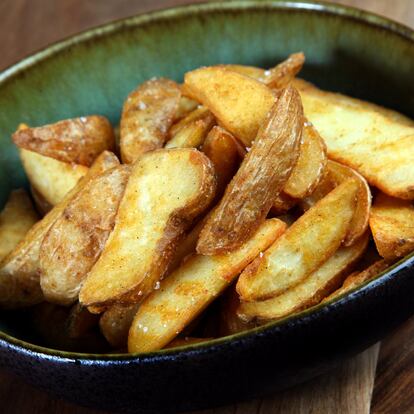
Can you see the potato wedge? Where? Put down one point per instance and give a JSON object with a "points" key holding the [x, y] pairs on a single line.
{"points": [[311, 291], [392, 225], [184, 341], [77, 140], [359, 224], [147, 115], [304, 247], [282, 74], [224, 152], [240, 103], [191, 288], [185, 106], [16, 219], [167, 189], [80, 321], [373, 141], [199, 113], [115, 323], [19, 271], [262, 174], [50, 178], [324, 187], [191, 135], [250, 71], [310, 166], [356, 279], [75, 240], [282, 203]]}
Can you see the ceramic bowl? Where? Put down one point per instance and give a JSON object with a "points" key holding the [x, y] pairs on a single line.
{"points": [[347, 50]]}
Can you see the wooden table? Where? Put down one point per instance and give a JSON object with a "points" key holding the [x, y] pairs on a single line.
{"points": [[27, 25]]}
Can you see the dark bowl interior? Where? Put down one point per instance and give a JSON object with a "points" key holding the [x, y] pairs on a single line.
{"points": [[348, 51]]}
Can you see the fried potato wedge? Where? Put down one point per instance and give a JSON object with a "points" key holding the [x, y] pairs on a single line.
{"points": [[185, 106], [310, 165], [147, 115], [76, 239], [167, 189], [320, 283], [392, 225], [19, 271], [50, 178], [250, 71], [77, 140], [356, 279], [262, 174], [225, 153], [115, 323], [371, 140], [324, 187], [80, 321], [359, 224], [191, 135], [282, 203], [282, 74], [240, 103], [304, 247], [191, 288], [199, 113], [16, 219]]}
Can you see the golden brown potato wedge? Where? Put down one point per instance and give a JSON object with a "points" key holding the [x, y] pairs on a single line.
{"points": [[199, 113], [250, 71], [359, 224], [19, 271], [167, 189], [310, 166], [392, 225], [310, 291], [304, 247], [77, 140], [225, 153], [16, 219], [282, 203], [262, 174], [375, 142], [356, 279], [80, 321], [282, 74], [191, 288], [147, 115], [325, 186], [193, 134], [185, 106], [240, 103], [50, 178], [76, 239], [115, 323]]}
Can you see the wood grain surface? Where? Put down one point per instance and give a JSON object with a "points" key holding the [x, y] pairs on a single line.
{"points": [[28, 25]]}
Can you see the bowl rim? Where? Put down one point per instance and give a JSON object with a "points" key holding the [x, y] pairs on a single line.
{"points": [[115, 26]]}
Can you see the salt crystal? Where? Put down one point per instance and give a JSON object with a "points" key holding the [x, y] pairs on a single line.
{"points": [[82, 119], [145, 329], [267, 72], [248, 149], [261, 254], [142, 105], [157, 285]]}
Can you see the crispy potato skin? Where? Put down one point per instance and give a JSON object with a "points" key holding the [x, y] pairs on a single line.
{"points": [[310, 291], [75, 240], [392, 225], [224, 152], [115, 323], [263, 173], [307, 243], [372, 140], [167, 189], [77, 140], [19, 270], [239, 102], [310, 165], [356, 279], [16, 219], [191, 288], [147, 115], [359, 224], [50, 178]]}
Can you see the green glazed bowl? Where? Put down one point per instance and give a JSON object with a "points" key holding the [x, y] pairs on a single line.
{"points": [[347, 50]]}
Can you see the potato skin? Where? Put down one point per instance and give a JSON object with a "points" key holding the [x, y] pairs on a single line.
{"points": [[147, 115], [77, 140], [74, 242]]}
